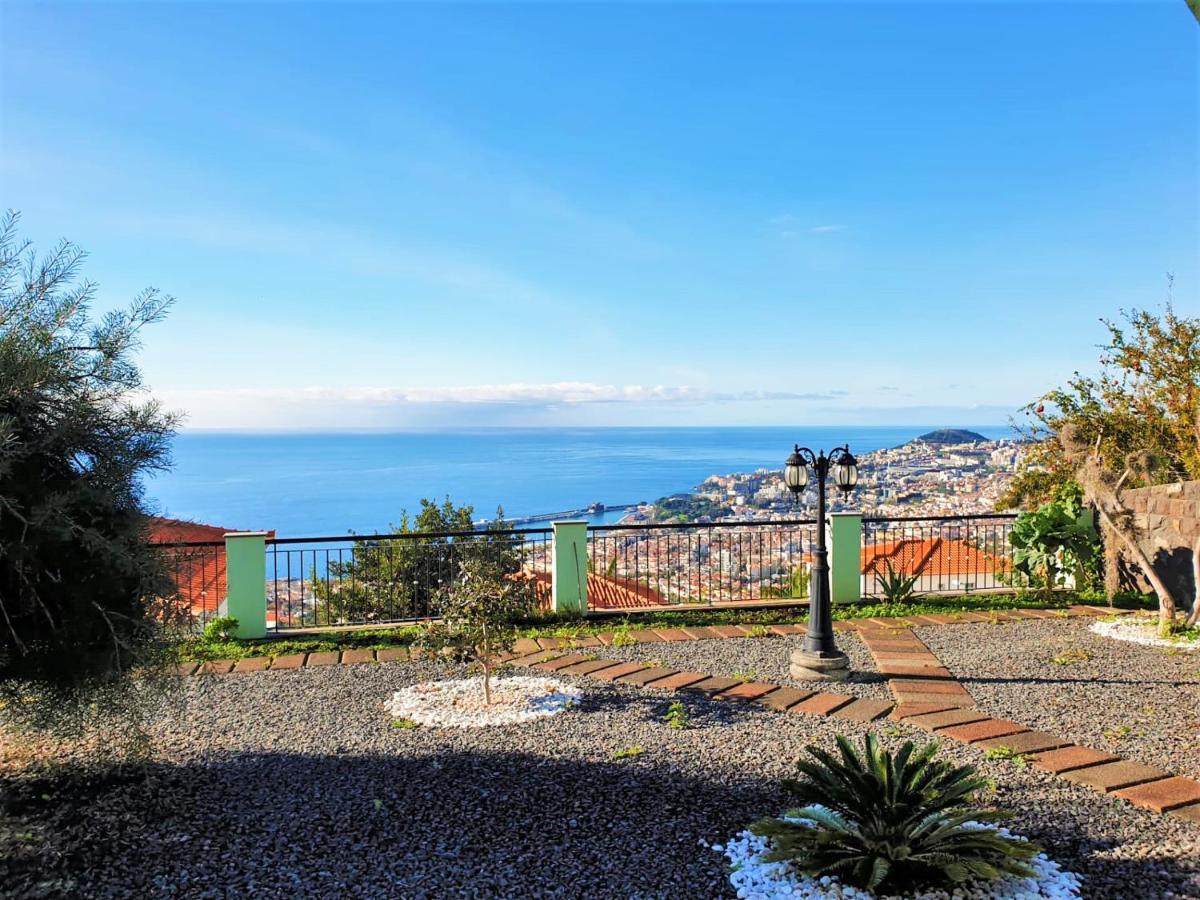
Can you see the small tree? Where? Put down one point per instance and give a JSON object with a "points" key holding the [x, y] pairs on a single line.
{"points": [[81, 592], [1056, 537], [479, 613]]}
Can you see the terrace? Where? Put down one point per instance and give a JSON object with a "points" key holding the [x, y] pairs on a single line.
{"points": [[283, 771]]}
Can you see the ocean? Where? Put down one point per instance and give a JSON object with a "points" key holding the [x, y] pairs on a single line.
{"points": [[330, 484]]}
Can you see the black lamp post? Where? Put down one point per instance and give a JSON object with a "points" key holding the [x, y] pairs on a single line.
{"points": [[819, 658]]}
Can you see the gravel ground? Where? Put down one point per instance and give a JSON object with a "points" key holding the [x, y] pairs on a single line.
{"points": [[295, 784], [1134, 701], [763, 659]]}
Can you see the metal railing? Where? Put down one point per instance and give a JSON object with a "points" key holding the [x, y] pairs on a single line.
{"points": [[196, 569], [633, 566], [945, 554], [382, 578], [387, 578]]}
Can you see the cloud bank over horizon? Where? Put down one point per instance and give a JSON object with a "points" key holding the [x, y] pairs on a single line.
{"points": [[554, 404]]}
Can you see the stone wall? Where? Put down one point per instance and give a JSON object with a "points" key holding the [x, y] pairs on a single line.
{"points": [[1169, 518]]}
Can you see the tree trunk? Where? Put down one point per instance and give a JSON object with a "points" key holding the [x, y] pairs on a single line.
{"points": [[1166, 600], [487, 682], [1194, 615]]}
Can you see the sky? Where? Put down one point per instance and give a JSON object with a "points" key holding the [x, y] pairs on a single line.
{"points": [[431, 216]]}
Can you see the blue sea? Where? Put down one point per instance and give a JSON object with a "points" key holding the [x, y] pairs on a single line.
{"points": [[330, 484]]}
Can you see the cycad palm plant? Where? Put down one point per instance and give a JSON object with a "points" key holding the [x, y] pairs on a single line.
{"points": [[891, 822]]}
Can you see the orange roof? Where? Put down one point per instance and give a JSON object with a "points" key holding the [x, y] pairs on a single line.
{"points": [[198, 572], [604, 592], [940, 556]]}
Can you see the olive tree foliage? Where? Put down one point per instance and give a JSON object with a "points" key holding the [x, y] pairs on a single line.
{"points": [[81, 593], [479, 613], [1133, 424]]}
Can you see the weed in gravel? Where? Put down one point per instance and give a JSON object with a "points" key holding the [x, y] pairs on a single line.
{"points": [[677, 717], [628, 753], [744, 677], [760, 631], [404, 724], [1119, 733], [1070, 657], [622, 637], [1008, 753]]}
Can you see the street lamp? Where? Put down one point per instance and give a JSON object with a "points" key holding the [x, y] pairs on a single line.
{"points": [[818, 658]]}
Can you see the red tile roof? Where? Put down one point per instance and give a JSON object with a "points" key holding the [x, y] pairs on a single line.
{"points": [[604, 592], [198, 572], [929, 556]]}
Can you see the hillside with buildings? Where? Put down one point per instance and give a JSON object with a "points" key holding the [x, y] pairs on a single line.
{"points": [[926, 476]]}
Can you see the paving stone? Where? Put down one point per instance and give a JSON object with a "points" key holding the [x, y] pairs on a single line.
{"points": [[217, 667], [253, 664], [187, 668], [615, 672], [940, 618], [781, 699], [747, 691], [924, 620], [644, 636], [326, 658], [672, 634], [288, 661], [922, 686], [840, 625], [930, 721], [587, 667], [787, 630], [713, 685], [1115, 775], [1027, 742], [539, 656], [525, 645], [906, 710], [971, 732], [962, 701], [1069, 758], [679, 680], [864, 710], [822, 704], [606, 638], [588, 641], [1190, 813], [646, 674], [891, 646], [700, 632], [921, 670], [1164, 795], [550, 643], [728, 631], [561, 662], [357, 657]]}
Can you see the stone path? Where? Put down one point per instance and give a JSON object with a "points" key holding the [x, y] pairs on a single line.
{"points": [[927, 695]]}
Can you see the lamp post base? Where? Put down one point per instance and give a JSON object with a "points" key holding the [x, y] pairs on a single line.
{"points": [[807, 666]]}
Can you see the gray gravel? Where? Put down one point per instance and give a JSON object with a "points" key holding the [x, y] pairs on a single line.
{"points": [[761, 658], [1133, 701], [295, 784]]}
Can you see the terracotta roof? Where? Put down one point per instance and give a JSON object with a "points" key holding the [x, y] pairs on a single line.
{"points": [[198, 572], [929, 556], [604, 592]]}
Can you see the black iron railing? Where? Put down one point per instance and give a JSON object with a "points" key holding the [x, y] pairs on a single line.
{"points": [[388, 577], [945, 554], [196, 570], [634, 566]]}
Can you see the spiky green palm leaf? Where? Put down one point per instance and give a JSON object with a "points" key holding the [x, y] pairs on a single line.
{"points": [[894, 821]]}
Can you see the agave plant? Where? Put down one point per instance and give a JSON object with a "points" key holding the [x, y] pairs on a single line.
{"points": [[889, 822], [896, 586]]}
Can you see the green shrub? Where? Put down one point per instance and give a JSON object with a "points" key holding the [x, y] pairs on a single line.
{"points": [[891, 822], [896, 586], [220, 630]]}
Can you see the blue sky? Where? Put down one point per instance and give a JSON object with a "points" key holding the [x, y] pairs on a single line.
{"points": [[423, 216]]}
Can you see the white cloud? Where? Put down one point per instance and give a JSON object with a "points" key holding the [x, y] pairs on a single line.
{"points": [[825, 229], [388, 407]]}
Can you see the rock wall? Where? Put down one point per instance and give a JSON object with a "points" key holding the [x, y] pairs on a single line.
{"points": [[1169, 518]]}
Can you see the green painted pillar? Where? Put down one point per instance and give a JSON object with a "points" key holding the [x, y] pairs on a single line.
{"points": [[569, 579], [246, 582], [845, 557]]}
